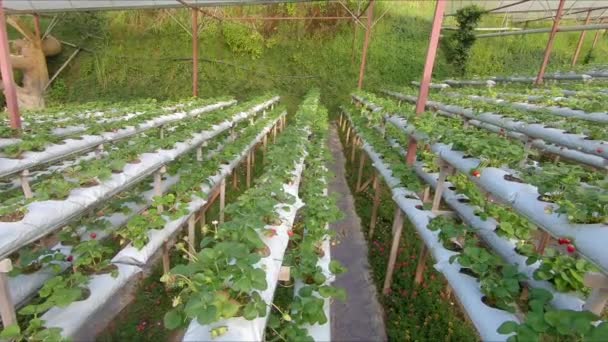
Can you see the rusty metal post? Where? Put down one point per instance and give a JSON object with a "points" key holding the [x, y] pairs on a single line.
{"points": [[195, 52], [368, 34], [543, 66], [10, 91], [581, 39], [425, 83]]}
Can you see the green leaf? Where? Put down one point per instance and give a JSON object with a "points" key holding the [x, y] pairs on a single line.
{"points": [[508, 327], [173, 319], [11, 332]]}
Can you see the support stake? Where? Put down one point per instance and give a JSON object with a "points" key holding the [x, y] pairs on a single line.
{"points": [[581, 39], [7, 308], [166, 259], [192, 234], [158, 185], [222, 199], [372, 224], [418, 279], [248, 180], [360, 173], [397, 229], [596, 302], [25, 184]]}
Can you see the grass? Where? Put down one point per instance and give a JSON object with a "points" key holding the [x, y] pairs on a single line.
{"points": [[412, 312]]}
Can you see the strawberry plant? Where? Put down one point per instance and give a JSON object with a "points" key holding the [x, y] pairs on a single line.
{"points": [[564, 271], [544, 323], [92, 257]]}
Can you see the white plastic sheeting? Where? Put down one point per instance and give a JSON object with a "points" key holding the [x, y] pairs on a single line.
{"points": [[45, 216], [68, 147], [601, 117], [240, 329], [102, 288]]}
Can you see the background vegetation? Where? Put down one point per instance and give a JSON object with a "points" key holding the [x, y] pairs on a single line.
{"points": [[146, 53]]}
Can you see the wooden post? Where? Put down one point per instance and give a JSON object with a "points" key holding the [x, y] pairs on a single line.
{"points": [[426, 195], [527, 147], [158, 185], [25, 184], [98, 151], [376, 204], [368, 36], [596, 302], [418, 278], [581, 39], [248, 169], [7, 308], [6, 71], [166, 259], [347, 136], [360, 173], [397, 229], [541, 73], [443, 173], [192, 234], [195, 52], [199, 153], [203, 216], [354, 148], [542, 242], [235, 179], [222, 199], [274, 133]]}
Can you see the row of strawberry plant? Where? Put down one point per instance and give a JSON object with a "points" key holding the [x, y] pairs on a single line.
{"points": [[549, 142], [35, 264], [41, 149], [499, 283], [246, 250], [503, 186], [91, 257], [520, 121], [304, 316], [588, 102], [485, 318], [574, 121], [564, 184], [46, 216]]}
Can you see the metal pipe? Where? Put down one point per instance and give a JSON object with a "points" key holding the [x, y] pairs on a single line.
{"points": [[543, 66], [581, 39], [573, 28], [368, 34], [194, 52], [425, 83], [6, 70]]}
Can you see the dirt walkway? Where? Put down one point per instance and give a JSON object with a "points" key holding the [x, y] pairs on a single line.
{"points": [[360, 318]]}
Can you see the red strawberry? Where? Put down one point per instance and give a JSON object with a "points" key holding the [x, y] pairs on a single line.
{"points": [[70, 258], [563, 241], [271, 232], [600, 150], [476, 173], [571, 249], [290, 233], [93, 236]]}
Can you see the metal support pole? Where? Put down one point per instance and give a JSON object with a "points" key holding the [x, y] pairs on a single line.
{"points": [[581, 39], [195, 52], [543, 66], [425, 83], [6, 70], [368, 34], [37, 26], [397, 229], [595, 39]]}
